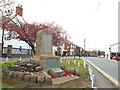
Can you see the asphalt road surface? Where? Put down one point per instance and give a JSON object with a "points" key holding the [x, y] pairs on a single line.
{"points": [[107, 66]]}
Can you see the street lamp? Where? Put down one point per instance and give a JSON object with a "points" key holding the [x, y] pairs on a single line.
{"points": [[84, 47]]}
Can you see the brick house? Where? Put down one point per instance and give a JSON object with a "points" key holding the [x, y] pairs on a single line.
{"points": [[71, 49]]}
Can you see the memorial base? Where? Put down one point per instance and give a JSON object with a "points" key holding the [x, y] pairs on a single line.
{"points": [[47, 61]]}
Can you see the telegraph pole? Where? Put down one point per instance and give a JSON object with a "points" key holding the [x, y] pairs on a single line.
{"points": [[84, 46]]}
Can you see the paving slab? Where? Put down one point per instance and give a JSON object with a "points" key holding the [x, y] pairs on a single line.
{"points": [[61, 80]]}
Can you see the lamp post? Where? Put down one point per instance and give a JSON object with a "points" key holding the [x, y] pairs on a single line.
{"points": [[84, 47]]}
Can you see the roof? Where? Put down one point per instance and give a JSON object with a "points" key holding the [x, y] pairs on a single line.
{"points": [[114, 44]]}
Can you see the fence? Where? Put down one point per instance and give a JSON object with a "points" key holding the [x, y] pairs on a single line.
{"points": [[17, 51]]}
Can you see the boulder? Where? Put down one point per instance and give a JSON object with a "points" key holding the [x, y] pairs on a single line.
{"points": [[10, 74], [35, 65], [29, 65], [27, 77], [40, 78], [6, 72], [4, 69], [15, 75], [23, 69], [14, 68], [77, 72], [38, 69], [31, 70], [62, 67], [22, 64], [70, 70], [33, 78], [48, 79], [27, 73], [20, 75]]}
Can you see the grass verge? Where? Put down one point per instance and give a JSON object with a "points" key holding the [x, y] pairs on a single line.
{"points": [[76, 63], [82, 70], [9, 64]]}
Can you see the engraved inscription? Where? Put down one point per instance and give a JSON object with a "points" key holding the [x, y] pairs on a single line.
{"points": [[52, 63], [47, 43]]}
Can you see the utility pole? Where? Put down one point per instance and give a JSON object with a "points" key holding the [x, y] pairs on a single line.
{"points": [[84, 46]]}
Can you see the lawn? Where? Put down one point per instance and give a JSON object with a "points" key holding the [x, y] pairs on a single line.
{"points": [[7, 86], [9, 64], [82, 70], [76, 63]]}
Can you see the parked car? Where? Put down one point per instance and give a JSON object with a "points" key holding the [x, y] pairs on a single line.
{"points": [[116, 58]]}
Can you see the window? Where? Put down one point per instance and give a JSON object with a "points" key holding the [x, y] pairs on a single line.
{"points": [[4, 50], [70, 52]]}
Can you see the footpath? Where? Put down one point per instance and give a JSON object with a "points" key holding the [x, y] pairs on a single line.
{"points": [[2, 60], [102, 79]]}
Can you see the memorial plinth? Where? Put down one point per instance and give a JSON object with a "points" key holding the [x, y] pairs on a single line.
{"points": [[43, 53]]}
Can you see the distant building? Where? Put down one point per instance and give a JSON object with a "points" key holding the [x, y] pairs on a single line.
{"points": [[70, 49], [114, 50]]}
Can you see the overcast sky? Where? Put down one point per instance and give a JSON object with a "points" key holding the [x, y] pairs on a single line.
{"points": [[94, 20]]}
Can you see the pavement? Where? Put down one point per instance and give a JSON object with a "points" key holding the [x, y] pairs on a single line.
{"points": [[100, 81], [103, 68], [13, 59]]}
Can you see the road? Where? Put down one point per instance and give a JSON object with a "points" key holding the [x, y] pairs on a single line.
{"points": [[107, 66]]}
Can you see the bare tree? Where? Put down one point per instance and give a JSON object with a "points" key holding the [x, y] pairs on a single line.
{"points": [[6, 11]]}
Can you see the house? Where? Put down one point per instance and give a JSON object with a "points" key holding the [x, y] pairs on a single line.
{"points": [[70, 49], [12, 47], [114, 50]]}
